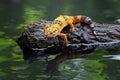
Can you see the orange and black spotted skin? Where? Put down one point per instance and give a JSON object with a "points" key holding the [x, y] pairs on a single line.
{"points": [[62, 21]]}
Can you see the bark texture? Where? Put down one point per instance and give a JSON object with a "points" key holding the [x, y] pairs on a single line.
{"points": [[82, 40]]}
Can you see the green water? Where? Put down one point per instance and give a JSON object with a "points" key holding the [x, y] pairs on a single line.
{"points": [[16, 14]]}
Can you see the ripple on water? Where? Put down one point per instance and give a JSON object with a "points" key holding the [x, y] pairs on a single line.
{"points": [[113, 57]]}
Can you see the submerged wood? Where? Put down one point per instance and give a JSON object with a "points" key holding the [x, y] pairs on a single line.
{"points": [[82, 40]]}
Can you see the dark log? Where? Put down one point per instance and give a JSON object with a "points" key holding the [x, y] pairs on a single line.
{"points": [[82, 40]]}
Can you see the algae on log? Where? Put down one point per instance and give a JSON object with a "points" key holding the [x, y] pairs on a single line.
{"points": [[82, 40]]}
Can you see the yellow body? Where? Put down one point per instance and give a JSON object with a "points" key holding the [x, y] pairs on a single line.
{"points": [[60, 22], [59, 25]]}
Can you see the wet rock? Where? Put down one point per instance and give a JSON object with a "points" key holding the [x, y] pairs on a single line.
{"points": [[83, 39]]}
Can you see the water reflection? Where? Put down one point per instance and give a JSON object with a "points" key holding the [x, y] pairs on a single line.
{"points": [[75, 69], [53, 64], [113, 57]]}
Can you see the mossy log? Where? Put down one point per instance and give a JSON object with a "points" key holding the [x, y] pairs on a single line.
{"points": [[82, 40]]}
